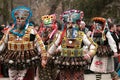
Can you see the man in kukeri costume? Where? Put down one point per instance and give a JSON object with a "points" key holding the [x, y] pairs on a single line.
{"points": [[72, 60], [48, 32], [22, 46], [103, 61]]}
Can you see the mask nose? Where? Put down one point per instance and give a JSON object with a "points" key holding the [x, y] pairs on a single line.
{"points": [[20, 19], [70, 20]]}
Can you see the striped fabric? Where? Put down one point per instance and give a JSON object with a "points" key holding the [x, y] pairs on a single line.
{"points": [[98, 76]]}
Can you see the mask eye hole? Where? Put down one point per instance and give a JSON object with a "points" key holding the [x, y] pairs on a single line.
{"points": [[17, 18], [22, 18], [45, 17], [51, 17], [73, 22]]}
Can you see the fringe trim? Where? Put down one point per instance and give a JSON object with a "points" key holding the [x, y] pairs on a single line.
{"points": [[21, 59], [76, 63], [104, 51]]}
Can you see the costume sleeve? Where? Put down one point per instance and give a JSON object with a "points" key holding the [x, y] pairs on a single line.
{"points": [[111, 42], [59, 48], [92, 47], [39, 43], [3, 41], [54, 45]]}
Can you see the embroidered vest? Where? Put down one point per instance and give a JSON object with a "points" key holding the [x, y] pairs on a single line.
{"points": [[72, 47], [23, 44]]}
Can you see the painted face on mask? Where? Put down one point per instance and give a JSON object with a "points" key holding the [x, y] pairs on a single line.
{"points": [[20, 16], [48, 20], [99, 23], [20, 20], [71, 19], [48, 24], [72, 31]]}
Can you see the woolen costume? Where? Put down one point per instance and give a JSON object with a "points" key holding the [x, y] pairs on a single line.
{"points": [[103, 62], [48, 32], [72, 60], [22, 46]]}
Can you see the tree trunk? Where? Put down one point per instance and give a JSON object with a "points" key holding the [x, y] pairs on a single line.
{"points": [[5, 11]]}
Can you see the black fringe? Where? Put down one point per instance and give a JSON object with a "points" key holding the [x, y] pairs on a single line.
{"points": [[21, 59], [75, 63], [104, 51]]}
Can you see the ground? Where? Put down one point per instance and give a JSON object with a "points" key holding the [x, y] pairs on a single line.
{"points": [[87, 77]]}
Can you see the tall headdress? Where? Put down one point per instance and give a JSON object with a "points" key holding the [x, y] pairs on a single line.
{"points": [[73, 16]]}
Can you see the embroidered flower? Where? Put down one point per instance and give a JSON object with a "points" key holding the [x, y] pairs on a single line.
{"points": [[98, 63]]}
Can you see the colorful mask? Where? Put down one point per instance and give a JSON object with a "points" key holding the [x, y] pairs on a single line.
{"points": [[72, 16], [72, 20], [49, 26], [72, 32], [99, 23], [21, 14], [48, 19]]}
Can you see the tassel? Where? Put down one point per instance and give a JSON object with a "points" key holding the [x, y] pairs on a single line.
{"points": [[67, 61], [76, 63], [15, 54], [28, 55], [19, 54], [22, 55], [63, 63], [7, 54], [61, 59], [72, 61], [10, 55]]}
